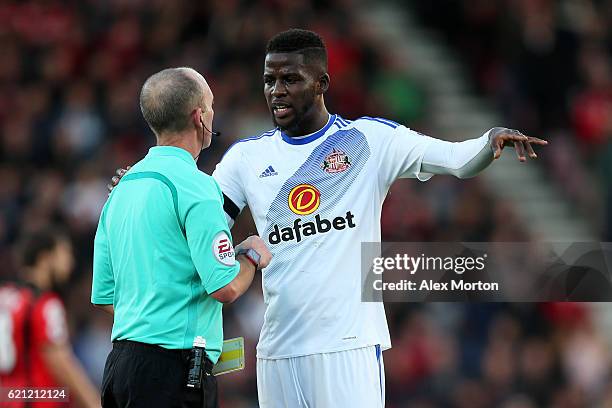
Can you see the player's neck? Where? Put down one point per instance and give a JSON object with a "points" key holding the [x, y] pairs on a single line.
{"points": [[309, 126], [39, 277]]}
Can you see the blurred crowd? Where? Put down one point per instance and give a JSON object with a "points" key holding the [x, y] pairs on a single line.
{"points": [[496, 355], [70, 75], [547, 66]]}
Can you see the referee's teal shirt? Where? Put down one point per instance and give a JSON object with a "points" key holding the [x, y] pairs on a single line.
{"points": [[162, 247]]}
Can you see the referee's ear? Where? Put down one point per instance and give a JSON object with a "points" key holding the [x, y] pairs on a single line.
{"points": [[323, 84], [196, 117]]}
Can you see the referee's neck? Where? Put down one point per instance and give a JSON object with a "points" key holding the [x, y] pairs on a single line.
{"points": [[184, 140]]}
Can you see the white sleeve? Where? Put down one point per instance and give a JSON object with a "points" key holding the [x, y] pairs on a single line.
{"points": [[400, 154], [408, 154], [460, 159], [228, 174]]}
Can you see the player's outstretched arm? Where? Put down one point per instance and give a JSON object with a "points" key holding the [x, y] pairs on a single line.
{"points": [[467, 159]]}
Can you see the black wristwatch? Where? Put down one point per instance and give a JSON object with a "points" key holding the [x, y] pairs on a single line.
{"points": [[251, 255]]}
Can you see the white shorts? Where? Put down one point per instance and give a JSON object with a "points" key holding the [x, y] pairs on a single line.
{"points": [[351, 378]]}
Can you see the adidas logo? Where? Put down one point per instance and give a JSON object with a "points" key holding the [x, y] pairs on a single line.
{"points": [[268, 172]]}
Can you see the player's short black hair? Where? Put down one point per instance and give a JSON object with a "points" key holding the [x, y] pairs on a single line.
{"points": [[32, 245], [168, 97], [295, 40]]}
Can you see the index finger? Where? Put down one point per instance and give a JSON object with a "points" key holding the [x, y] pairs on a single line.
{"points": [[535, 140], [513, 137]]}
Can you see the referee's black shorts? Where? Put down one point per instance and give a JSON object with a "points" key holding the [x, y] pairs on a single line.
{"points": [[143, 375]]}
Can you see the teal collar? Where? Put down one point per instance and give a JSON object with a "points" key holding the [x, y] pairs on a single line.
{"points": [[173, 151]]}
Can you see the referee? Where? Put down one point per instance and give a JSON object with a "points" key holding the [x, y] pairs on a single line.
{"points": [[163, 256]]}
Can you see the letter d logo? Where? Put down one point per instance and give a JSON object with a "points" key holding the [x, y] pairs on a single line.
{"points": [[304, 199]]}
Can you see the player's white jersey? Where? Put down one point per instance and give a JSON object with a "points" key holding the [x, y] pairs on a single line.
{"points": [[314, 200]]}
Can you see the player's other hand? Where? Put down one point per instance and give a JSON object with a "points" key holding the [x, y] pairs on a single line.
{"points": [[256, 243], [504, 137], [115, 180]]}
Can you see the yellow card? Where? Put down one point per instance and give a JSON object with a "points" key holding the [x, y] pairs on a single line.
{"points": [[232, 357]]}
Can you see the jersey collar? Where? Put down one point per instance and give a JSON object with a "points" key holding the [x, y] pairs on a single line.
{"points": [[173, 151], [312, 137]]}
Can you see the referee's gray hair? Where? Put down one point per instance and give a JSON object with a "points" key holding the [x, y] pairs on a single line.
{"points": [[168, 97]]}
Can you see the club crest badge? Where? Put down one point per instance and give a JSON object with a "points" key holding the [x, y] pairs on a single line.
{"points": [[336, 162]]}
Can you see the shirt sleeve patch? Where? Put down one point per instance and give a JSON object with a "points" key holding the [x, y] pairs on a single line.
{"points": [[56, 330], [223, 249]]}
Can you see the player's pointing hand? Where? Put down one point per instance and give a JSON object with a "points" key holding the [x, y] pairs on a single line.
{"points": [[504, 137]]}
